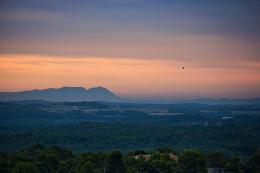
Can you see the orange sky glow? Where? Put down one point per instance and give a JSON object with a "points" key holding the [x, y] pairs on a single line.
{"points": [[135, 48], [128, 77]]}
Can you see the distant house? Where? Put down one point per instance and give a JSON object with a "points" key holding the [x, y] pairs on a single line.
{"points": [[148, 156], [216, 170], [173, 157], [145, 156]]}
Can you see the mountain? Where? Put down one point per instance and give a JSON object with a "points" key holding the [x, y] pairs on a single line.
{"points": [[63, 94]]}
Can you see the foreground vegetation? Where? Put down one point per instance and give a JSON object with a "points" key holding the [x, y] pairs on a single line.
{"points": [[54, 159]]}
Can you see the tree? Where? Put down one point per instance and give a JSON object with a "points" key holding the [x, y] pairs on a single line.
{"points": [[192, 161], [87, 167], [66, 166], [216, 160], [253, 164], [165, 150], [60, 152], [146, 167], [25, 167], [164, 166], [115, 163], [48, 162], [5, 165], [233, 165]]}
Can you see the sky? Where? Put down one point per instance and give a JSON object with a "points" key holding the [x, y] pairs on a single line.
{"points": [[136, 48]]}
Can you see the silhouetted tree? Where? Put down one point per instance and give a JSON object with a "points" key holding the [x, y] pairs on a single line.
{"points": [[216, 160], [86, 167], [192, 161], [5, 165], [253, 163], [115, 163], [48, 162], [25, 167], [233, 165]]}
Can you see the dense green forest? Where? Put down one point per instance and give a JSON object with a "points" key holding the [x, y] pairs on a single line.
{"points": [[54, 159], [100, 126], [97, 136], [226, 136]]}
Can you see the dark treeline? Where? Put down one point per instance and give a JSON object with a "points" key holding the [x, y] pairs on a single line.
{"points": [[54, 159]]}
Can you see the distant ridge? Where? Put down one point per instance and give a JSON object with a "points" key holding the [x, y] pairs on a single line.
{"points": [[207, 101], [238, 101], [63, 94]]}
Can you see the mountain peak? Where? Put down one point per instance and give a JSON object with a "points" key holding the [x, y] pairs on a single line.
{"points": [[99, 88], [72, 88]]}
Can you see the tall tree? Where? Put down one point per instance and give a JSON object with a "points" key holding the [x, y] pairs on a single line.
{"points": [[233, 165], [216, 160], [87, 167], [192, 161], [253, 163], [25, 167], [115, 163]]}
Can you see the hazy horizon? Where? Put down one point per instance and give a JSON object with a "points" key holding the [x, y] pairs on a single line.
{"points": [[137, 49], [135, 98]]}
